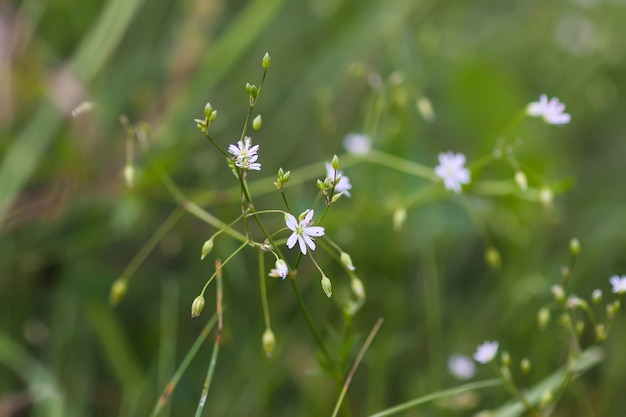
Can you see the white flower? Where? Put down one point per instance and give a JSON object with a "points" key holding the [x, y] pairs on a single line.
{"points": [[245, 155], [550, 110], [618, 283], [303, 233], [452, 171], [281, 270], [486, 352], [461, 366], [357, 143], [342, 184]]}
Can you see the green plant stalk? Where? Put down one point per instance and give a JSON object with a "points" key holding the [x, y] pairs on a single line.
{"points": [[266, 310], [169, 388], [400, 164]]}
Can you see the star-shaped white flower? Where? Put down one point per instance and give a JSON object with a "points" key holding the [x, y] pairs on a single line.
{"points": [[343, 183], [357, 144], [486, 352], [452, 171], [550, 110], [281, 270], [619, 284], [245, 155], [303, 233]]}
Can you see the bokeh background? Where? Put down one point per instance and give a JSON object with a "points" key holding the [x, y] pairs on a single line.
{"points": [[70, 225]]}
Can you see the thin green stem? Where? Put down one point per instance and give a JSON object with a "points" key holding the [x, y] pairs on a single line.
{"points": [[401, 164], [219, 269], [266, 309]]}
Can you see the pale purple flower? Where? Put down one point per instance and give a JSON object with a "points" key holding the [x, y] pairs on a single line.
{"points": [[550, 110], [452, 171], [245, 155], [461, 366], [618, 283], [303, 232], [486, 352], [357, 143], [343, 183]]}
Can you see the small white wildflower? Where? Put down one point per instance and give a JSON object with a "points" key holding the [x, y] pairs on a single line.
{"points": [[245, 155], [461, 367], [357, 143], [486, 352], [303, 233], [550, 110], [452, 171], [342, 184], [618, 283], [280, 271]]}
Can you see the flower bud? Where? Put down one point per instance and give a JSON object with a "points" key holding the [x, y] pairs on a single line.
{"points": [[492, 258], [266, 61], [118, 291], [546, 197], [506, 359], [399, 217], [425, 109], [574, 246], [543, 317], [600, 332], [213, 116], [257, 122], [335, 163], [346, 261], [546, 399], [208, 110], [580, 327], [525, 366], [327, 286], [357, 288], [336, 197], [206, 248], [129, 175], [596, 296], [520, 179], [269, 342], [559, 293], [197, 306]]}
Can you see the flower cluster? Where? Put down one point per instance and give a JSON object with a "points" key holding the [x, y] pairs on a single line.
{"points": [[245, 155], [342, 183], [550, 110]]}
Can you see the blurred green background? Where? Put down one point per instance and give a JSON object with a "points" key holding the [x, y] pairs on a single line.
{"points": [[70, 226]]}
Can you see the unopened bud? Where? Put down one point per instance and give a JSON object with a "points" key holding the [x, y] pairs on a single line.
{"points": [[335, 163], [257, 122], [506, 359], [129, 175], [266, 61], [336, 197], [574, 246], [525, 365], [327, 286], [347, 261], [425, 108], [492, 258], [559, 293], [208, 110], [399, 217], [600, 332], [520, 179], [546, 197], [269, 342], [543, 317], [357, 288], [596, 296], [546, 399], [206, 248], [118, 291], [197, 306]]}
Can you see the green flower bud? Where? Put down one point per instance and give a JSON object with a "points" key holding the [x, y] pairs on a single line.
{"points": [[506, 359], [206, 248], [525, 366], [347, 261], [399, 217], [559, 293], [574, 246], [520, 179], [600, 330], [580, 327], [543, 317], [546, 197], [118, 291], [266, 61], [335, 163], [327, 286], [546, 399], [357, 288], [129, 175], [596, 296], [269, 342], [336, 197], [257, 122], [425, 109], [213, 116], [492, 258], [197, 306], [208, 110]]}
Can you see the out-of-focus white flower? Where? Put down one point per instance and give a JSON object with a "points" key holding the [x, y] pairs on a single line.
{"points": [[486, 352], [357, 143], [551, 111], [461, 367], [618, 283], [303, 233], [245, 155], [452, 171], [343, 183]]}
